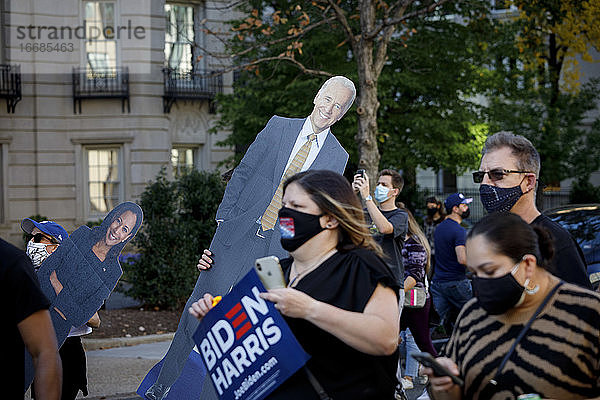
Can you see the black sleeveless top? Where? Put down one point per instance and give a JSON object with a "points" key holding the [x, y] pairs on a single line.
{"points": [[346, 280]]}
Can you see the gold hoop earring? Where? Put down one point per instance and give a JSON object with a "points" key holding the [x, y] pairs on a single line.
{"points": [[533, 290]]}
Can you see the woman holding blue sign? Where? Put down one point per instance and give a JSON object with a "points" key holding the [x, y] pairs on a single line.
{"points": [[341, 302]]}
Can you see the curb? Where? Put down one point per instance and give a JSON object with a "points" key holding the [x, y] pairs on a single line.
{"points": [[117, 396], [109, 343]]}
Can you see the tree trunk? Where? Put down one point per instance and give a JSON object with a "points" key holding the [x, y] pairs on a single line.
{"points": [[554, 67], [368, 152], [367, 103]]}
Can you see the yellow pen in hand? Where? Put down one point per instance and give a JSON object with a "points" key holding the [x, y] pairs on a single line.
{"points": [[216, 300]]}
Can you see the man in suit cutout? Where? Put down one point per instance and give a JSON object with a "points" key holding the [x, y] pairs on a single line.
{"points": [[240, 237]]}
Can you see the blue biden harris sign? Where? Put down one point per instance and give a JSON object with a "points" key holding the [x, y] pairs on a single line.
{"points": [[246, 346]]}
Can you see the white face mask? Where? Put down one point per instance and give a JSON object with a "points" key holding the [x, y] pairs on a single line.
{"points": [[37, 252]]}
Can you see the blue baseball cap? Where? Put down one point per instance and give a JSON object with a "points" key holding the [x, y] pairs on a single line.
{"points": [[50, 228], [455, 199]]}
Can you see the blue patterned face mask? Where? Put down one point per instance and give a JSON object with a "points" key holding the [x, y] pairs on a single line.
{"points": [[497, 199]]}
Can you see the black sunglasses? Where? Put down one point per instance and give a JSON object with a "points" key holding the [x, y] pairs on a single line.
{"points": [[495, 174], [37, 238]]}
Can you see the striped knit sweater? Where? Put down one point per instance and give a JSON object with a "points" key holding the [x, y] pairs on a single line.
{"points": [[559, 357]]}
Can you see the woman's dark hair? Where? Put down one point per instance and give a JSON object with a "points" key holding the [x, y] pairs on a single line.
{"points": [[99, 232], [513, 237], [440, 206], [334, 196], [432, 199]]}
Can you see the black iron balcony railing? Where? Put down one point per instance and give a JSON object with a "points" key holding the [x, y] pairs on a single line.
{"points": [[10, 85], [110, 83], [190, 86]]}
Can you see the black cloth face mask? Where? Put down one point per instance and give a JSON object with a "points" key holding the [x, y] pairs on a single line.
{"points": [[466, 214], [497, 199], [297, 227], [431, 212], [498, 295]]}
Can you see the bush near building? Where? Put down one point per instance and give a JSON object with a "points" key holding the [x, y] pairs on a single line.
{"points": [[179, 222]]}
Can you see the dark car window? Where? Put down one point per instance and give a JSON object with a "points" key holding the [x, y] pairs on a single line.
{"points": [[584, 225]]}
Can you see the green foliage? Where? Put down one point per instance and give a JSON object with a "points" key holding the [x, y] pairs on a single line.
{"points": [[179, 222], [36, 218], [449, 80], [92, 224], [413, 198], [430, 116], [530, 101], [279, 88], [427, 117], [555, 122], [584, 192]]}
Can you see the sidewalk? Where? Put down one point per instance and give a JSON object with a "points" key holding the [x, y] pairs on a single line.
{"points": [[115, 367]]}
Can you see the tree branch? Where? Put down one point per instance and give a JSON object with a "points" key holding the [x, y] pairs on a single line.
{"points": [[418, 13], [344, 21], [403, 17], [226, 7], [388, 31], [267, 59], [290, 37], [397, 9]]}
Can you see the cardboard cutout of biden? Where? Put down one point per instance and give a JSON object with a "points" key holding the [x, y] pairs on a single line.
{"points": [[241, 236], [83, 271], [245, 346]]}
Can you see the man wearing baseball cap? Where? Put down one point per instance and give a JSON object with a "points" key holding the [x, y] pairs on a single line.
{"points": [[450, 287], [47, 235]]}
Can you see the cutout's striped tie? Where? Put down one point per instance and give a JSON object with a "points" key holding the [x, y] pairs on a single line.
{"points": [[268, 219]]}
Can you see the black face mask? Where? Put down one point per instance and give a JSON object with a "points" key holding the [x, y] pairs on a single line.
{"points": [[431, 212], [297, 227], [466, 214], [498, 295], [497, 199]]}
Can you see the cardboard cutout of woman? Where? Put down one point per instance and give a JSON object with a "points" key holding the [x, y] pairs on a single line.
{"points": [[80, 275]]}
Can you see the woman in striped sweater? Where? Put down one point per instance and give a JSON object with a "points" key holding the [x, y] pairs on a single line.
{"points": [[557, 357]]}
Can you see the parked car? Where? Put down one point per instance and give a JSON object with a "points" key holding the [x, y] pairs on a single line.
{"points": [[583, 222]]}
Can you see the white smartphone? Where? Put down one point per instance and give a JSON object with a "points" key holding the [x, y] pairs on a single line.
{"points": [[269, 271]]}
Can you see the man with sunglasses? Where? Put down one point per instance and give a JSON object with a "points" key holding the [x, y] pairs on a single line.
{"points": [[507, 175], [46, 237]]}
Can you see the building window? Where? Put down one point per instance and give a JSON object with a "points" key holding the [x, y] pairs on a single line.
{"points": [[104, 177], [101, 41], [182, 159], [179, 38]]}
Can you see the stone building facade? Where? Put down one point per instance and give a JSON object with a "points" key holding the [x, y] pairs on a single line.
{"points": [[93, 117]]}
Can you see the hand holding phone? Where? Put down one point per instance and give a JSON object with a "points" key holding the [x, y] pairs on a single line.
{"points": [[438, 369], [270, 273]]}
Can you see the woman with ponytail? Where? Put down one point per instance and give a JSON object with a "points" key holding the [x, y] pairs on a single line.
{"points": [[525, 331], [414, 322]]}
